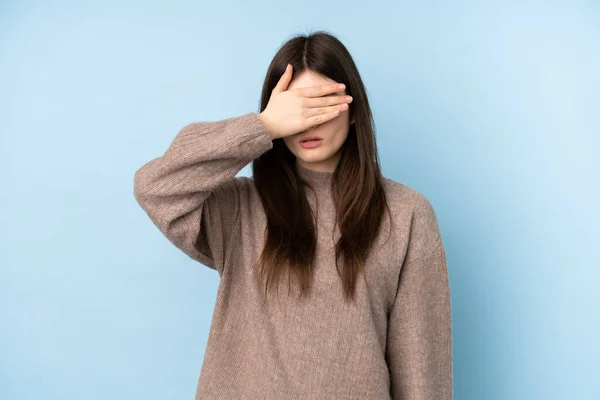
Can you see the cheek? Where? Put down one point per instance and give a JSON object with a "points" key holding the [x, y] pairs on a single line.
{"points": [[335, 130], [339, 132], [290, 140]]}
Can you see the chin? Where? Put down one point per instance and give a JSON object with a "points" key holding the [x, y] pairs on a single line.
{"points": [[312, 157]]}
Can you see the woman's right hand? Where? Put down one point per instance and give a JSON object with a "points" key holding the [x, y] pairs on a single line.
{"points": [[289, 112]]}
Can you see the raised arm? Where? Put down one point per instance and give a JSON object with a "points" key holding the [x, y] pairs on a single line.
{"points": [[191, 192], [419, 343]]}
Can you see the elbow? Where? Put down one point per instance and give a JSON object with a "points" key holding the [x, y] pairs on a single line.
{"points": [[140, 191], [149, 200]]}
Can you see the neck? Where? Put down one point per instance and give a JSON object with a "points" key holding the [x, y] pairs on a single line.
{"points": [[319, 180]]}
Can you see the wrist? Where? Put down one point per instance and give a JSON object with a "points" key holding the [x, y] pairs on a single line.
{"points": [[264, 120]]}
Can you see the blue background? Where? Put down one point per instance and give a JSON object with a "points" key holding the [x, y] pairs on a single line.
{"points": [[489, 108]]}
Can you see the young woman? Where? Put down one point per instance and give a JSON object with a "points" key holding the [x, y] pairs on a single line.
{"points": [[363, 308]]}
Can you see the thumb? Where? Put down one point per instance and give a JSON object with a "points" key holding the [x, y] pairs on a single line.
{"points": [[284, 81]]}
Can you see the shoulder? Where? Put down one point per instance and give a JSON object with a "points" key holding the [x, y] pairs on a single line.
{"points": [[244, 185], [247, 191], [406, 199], [239, 190], [418, 219]]}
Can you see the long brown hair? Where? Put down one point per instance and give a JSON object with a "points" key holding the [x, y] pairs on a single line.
{"points": [[357, 182]]}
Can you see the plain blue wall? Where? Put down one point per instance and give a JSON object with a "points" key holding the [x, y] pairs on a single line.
{"points": [[489, 108]]}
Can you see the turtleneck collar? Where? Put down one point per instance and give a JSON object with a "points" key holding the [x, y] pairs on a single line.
{"points": [[317, 179]]}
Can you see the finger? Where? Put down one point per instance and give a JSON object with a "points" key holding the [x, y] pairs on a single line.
{"points": [[311, 112], [327, 100], [321, 90], [284, 80], [311, 122]]}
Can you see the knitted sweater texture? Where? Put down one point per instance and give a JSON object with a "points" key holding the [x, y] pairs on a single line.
{"points": [[393, 342]]}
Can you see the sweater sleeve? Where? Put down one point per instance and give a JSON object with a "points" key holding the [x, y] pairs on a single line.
{"points": [[419, 343], [191, 192]]}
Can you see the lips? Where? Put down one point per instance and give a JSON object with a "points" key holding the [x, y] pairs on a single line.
{"points": [[310, 138]]}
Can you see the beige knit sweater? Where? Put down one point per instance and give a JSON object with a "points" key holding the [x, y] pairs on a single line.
{"points": [[393, 343]]}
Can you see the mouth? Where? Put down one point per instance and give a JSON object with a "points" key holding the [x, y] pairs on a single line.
{"points": [[310, 139], [310, 142]]}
